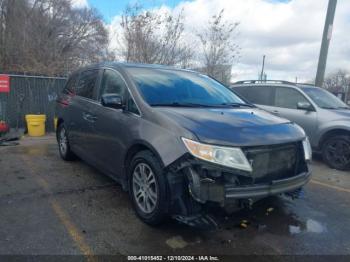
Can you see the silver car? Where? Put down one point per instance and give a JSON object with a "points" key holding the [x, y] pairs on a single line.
{"points": [[324, 117]]}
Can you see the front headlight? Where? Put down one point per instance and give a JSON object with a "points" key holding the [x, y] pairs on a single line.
{"points": [[307, 149], [226, 156]]}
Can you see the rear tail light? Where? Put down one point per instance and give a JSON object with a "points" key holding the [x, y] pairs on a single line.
{"points": [[4, 128], [65, 99]]}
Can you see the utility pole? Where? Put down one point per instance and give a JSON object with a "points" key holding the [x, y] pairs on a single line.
{"points": [[262, 68], [326, 38]]}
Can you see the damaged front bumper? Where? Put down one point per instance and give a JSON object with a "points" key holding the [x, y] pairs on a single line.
{"points": [[208, 183], [196, 185], [204, 190], [275, 187]]}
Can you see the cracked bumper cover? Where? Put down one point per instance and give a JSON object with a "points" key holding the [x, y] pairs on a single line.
{"points": [[206, 182], [227, 193], [275, 187]]}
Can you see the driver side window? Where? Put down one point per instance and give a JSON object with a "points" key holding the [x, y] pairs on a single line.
{"points": [[112, 83], [288, 98]]}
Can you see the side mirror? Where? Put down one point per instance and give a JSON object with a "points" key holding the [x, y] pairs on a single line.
{"points": [[112, 100], [304, 106]]}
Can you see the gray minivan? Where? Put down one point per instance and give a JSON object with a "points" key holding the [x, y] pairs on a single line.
{"points": [[178, 140], [324, 117]]}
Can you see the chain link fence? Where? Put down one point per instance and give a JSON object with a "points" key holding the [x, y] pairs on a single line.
{"points": [[30, 95]]}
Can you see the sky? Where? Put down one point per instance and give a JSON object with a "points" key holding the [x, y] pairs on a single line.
{"points": [[288, 32]]}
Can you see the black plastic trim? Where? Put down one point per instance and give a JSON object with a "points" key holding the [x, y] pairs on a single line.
{"points": [[273, 188]]}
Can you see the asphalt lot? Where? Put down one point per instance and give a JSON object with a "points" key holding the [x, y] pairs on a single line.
{"points": [[48, 206]]}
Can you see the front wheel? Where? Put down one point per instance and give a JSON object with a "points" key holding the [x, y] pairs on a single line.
{"points": [[148, 188], [336, 152]]}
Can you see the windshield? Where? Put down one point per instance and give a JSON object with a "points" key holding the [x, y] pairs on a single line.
{"points": [[324, 99], [180, 88]]}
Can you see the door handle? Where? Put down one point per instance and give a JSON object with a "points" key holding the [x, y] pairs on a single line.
{"points": [[85, 115], [88, 117], [275, 112]]}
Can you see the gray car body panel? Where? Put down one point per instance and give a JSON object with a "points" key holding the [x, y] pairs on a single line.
{"points": [[315, 123], [161, 129]]}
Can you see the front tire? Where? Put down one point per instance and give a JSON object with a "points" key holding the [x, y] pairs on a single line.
{"points": [[336, 152], [63, 144], [148, 189]]}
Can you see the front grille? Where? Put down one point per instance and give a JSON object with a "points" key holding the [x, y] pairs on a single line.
{"points": [[274, 162]]}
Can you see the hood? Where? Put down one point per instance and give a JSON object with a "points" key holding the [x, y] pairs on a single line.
{"points": [[234, 127], [339, 114]]}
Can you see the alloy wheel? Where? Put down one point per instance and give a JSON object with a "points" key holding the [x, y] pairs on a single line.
{"points": [[338, 152], [63, 142], [145, 188]]}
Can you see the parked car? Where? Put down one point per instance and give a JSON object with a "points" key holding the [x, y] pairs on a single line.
{"points": [[178, 140], [324, 117]]}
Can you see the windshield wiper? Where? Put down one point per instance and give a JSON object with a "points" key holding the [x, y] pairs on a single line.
{"points": [[176, 104], [333, 108], [237, 104], [328, 107]]}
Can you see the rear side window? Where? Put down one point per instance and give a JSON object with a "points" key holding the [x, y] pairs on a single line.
{"points": [[70, 86], [86, 84], [261, 95], [288, 97]]}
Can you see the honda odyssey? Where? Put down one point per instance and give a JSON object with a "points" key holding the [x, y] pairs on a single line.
{"points": [[178, 140]]}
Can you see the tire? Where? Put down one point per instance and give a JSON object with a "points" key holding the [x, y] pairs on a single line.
{"points": [[63, 144], [148, 188], [336, 152]]}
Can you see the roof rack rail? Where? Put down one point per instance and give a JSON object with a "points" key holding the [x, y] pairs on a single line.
{"points": [[263, 81], [306, 84]]}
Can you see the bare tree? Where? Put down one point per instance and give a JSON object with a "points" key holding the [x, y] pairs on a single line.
{"points": [[219, 47], [338, 81], [12, 34], [153, 37], [49, 36]]}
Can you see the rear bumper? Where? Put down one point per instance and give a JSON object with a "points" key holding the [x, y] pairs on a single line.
{"points": [[275, 187]]}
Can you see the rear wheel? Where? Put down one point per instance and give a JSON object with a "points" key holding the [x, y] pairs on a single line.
{"points": [[336, 152], [63, 144], [148, 188]]}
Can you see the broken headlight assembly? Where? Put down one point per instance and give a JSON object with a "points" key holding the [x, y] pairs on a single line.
{"points": [[227, 156], [307, 149]]}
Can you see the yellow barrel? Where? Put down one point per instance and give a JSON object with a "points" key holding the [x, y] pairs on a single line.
{"points": [[36, 125], [55, 121]]}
